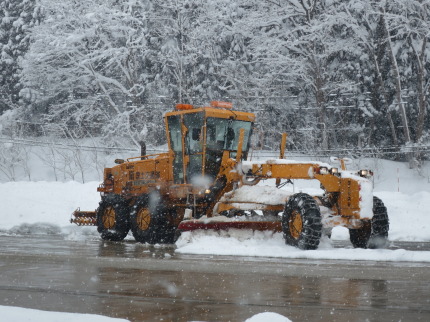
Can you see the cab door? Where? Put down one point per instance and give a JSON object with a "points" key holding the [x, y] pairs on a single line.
{"points": [[175, 127], [186, 136], [194, 146]]}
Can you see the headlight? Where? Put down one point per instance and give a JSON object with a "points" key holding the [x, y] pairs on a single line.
{"points": [[365, 173], [207, 191], [334, 170], [323, 170]]}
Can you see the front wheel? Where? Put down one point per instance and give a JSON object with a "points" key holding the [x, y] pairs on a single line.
{"points": [[374, 233], [301, 222], [113, 218]]}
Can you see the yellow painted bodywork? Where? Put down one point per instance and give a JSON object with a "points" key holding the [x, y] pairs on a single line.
{"points": [[136, 177], [344, 190], [217, 113], [143, 174]]}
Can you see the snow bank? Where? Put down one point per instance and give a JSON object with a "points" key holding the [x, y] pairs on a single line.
{"points": [[18, 314], [409, 215], [44, 203], [267, 244]]}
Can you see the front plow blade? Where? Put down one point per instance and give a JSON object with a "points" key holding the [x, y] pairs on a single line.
{"points": [[190, 225], [84, 218]]}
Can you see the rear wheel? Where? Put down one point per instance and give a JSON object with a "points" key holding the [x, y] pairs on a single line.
{"points": [[301, 222], [149, 222], [113, 218], [373, 233]]}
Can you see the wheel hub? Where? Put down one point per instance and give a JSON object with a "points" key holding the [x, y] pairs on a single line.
{"points": [[143, 218], [108, 219], [295, 224]]}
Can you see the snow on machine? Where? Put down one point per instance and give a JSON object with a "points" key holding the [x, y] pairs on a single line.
{"points": [[204, 181]]}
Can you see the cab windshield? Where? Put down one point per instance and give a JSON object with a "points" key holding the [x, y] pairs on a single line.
{"points": [[223, 134]]}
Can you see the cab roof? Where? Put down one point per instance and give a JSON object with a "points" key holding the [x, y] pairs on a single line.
{"points": [[216, 112]]}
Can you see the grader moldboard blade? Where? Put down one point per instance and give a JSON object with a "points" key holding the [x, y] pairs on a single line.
{"points": [[191, 225]]}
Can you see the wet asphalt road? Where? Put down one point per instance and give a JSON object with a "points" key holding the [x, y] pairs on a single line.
{"points": [[144, 283]]}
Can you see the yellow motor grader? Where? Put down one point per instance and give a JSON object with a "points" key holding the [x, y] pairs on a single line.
{"points": [[204, 181]]}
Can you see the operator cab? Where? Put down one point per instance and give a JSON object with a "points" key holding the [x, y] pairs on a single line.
{"points": [[200, 137]]}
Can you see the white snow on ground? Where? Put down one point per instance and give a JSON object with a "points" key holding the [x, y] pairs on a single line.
{"points": [[268, 316], [45, 208], [18, 314], [44, 202]]}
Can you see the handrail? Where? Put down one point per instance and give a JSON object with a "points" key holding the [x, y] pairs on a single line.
{"points": [[142, 157]]}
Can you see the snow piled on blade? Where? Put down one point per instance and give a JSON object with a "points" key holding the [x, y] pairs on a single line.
{"points": [[257, 194]]}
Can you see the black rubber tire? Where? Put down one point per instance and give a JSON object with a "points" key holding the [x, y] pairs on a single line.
{"points": [[360, 237], [149, 222], [117, 226], [309, 234], [171, 233], [374, 233]]}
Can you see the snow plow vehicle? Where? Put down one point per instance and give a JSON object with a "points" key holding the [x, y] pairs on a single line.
{"points": [[205, 181]]}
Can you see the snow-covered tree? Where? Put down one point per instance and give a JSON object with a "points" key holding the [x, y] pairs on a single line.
{"points": [[395, 49], [87, 63], [408, 23], [17, 18], [334, 74], [300, 48]]}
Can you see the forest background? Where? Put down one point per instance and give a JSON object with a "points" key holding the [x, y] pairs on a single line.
{"points": [[344, 78]]}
